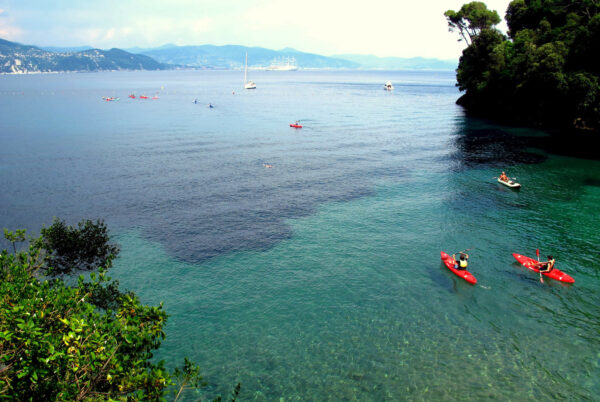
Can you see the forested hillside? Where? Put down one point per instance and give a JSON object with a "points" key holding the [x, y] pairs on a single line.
{"points": [[544, 73], [18, 59]]}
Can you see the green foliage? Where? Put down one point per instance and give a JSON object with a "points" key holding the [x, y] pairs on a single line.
{"points": [[471, 19], [187, 377], [544, 72], [479, 61], [57, 344], [15, 237], [234, 394], [33, 259], [106, 296], [84, 247]]}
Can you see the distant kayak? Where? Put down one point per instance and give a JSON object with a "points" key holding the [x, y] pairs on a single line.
{"points": [[132, 96], [143, 97], [466, 275], [554, 274], [509, 183], [296, 125]]}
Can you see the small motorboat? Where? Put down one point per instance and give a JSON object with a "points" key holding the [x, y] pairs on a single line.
{"points": [[388, 86]]}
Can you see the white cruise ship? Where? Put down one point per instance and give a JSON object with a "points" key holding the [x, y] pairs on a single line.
{"points": [[284, 64]]}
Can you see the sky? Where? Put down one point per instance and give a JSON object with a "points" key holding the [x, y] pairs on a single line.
{"points": [[384, 28]]}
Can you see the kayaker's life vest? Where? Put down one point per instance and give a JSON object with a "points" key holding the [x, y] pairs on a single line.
{"points": [[462, 263]]}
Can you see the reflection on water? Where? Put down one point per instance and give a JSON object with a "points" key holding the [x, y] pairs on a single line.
{"points": [[478, 144]]}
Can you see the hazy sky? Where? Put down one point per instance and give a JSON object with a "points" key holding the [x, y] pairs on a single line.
{"points": [[380, 27]]}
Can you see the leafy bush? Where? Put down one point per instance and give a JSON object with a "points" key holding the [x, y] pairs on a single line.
{"points": [[58, 342]]}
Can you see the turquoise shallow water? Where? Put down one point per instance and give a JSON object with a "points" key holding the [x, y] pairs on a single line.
{"points": [[357, 305], [320, 278]]}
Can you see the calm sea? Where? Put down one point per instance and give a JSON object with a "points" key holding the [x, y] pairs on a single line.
{"points": [[319, 277]]}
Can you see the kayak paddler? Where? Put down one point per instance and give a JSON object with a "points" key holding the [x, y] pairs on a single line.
{"points": [[546, 266], [462, 262]]}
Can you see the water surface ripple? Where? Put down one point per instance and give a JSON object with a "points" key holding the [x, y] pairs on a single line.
{"points": [[319, 278]]}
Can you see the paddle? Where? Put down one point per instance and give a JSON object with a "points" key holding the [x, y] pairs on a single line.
{"points": [[537, 252]]}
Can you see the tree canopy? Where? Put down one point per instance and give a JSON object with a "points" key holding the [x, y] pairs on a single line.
{"points": [[82, 248], [543, 73], [471, 19]]}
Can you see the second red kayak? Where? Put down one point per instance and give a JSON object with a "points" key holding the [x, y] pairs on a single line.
{"points": [[466, 275], [554, 274], [296, 125]]}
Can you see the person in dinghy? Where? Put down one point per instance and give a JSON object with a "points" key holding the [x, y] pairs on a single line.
{"points": [[504, 177]]}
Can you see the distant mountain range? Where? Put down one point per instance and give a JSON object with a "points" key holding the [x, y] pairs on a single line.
{"points": [[232, 57], [399, 63], [16, 58]]}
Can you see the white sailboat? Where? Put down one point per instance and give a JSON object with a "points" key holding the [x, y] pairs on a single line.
{"points": [[248, 84]]}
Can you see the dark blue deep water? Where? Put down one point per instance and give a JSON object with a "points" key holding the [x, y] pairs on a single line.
{"points": [[319, 278]]}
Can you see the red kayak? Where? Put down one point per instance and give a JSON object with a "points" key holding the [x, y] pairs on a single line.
{"points": [[296, 125], [466, 275], [554, 274]]}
